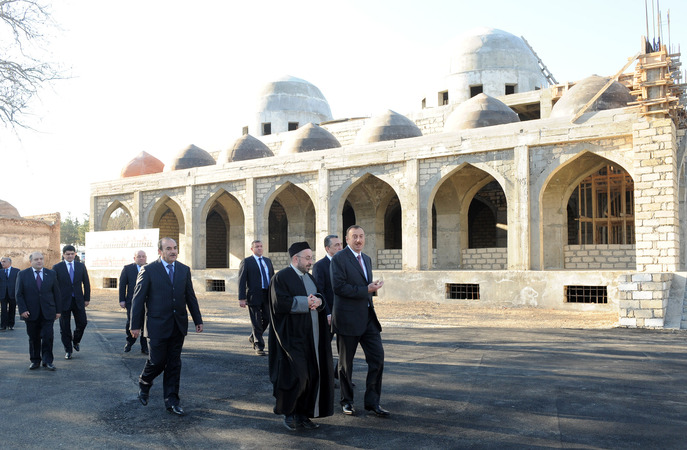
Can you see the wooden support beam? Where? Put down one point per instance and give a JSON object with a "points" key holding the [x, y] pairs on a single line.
{"points": [[603, 89]]}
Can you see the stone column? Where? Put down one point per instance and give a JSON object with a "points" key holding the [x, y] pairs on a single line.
{"points": [[519, 217], [657, 229], [410, 203], [251, 222], [325, 224], [137, 210], [186, 251]]}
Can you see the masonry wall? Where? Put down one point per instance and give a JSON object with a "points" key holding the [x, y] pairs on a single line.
{"points": [[494, 258], [22, 236], [607, 257]]}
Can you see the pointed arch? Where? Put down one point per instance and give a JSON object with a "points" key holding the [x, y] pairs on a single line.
{"points": [[108, 215]]}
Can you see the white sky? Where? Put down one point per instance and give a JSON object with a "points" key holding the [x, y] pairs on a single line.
{"points": [[156, 76]]}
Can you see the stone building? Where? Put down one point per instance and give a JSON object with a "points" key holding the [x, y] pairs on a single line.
{"points": [[22, 236], [519, 192]]}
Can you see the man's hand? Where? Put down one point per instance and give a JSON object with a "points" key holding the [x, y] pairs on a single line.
{"points": [[25, 315], [375, 286], [242, 303], [135, 333], [57, 316], [329, 319], [86, 303], [122, 304], [314, 302], [199, 328]]}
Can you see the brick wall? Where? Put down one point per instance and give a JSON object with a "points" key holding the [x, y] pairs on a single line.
{"points": [[608, 257], [642, 299], [389, 259], [484, 258]]}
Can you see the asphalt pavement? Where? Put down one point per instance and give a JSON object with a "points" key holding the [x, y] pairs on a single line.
{"points": [[445, 388]]}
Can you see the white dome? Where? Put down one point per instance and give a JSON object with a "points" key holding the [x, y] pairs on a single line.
{"points": [[490, 60], [289, 100]]}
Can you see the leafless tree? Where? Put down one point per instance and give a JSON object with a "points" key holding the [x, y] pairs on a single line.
{"points": [[23, 66]]}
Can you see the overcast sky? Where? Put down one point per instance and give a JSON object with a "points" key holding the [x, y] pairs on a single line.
{"points": [[157, 76]]}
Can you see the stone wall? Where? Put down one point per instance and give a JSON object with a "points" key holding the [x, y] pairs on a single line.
{"points": [[484, 258], [608, 257], [388, 259], [22, 236], [643, 298]]}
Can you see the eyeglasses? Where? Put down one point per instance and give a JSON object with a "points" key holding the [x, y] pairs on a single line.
{"points": [[307, 258]]}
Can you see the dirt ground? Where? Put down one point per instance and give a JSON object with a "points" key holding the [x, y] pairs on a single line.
{"points": [[219, 306]]}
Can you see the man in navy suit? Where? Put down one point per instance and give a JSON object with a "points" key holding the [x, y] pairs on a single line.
{"points": [[355, 322], [8, 282], [76, 295], [38, 300], [164, 296], [320, 270], [255, 273], [127, 282]]}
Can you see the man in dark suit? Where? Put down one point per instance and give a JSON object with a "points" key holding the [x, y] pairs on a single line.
{"points": [[76, 295], [323, 279], [355, 322], [8, 282], [300, 361], [255, 273], [127, 282], [39, 303], [163, 293]]}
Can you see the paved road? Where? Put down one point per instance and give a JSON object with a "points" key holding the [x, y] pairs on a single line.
{"points": [[446, 388]]}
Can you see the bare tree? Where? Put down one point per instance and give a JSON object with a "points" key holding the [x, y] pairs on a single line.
{"points": [[23, 68]]}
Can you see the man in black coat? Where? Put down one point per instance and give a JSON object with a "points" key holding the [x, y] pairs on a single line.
{"points": [[76, 295], [355, 322], [255, 273], [300, 358], [163, 293], [127, 282], [320, 270], [8, 282], [39, 304]]}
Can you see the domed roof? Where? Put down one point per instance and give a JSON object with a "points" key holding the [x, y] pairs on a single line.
{"points": [[308, 138], [489, 48], [294, 95], [191, 156], [244, 148], [480, 111], [616, 96], [388, 126], [143, 164], [8, 210]]}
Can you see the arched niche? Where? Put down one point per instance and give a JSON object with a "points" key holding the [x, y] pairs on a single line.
{"points": [[558, 200], [451, 204], [115, 217], [289, 212], [166, 215], [222, 231]]}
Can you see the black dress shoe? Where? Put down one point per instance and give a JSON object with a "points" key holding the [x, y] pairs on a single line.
{"points": [[260, 352], [308, 424], [76, 347], [68, 355], [290, 423], [251, 341], [176, 409], [34, 366], [127, 348], [49, 366], [378, 410], [143, 397], [348, 409], [11, 328], [145, 351]]}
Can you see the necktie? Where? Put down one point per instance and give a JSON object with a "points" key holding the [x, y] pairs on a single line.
{"points": [[170, 269], [71, 272], [8, 273], [360, 260], [39, 282], [265, 279]]}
